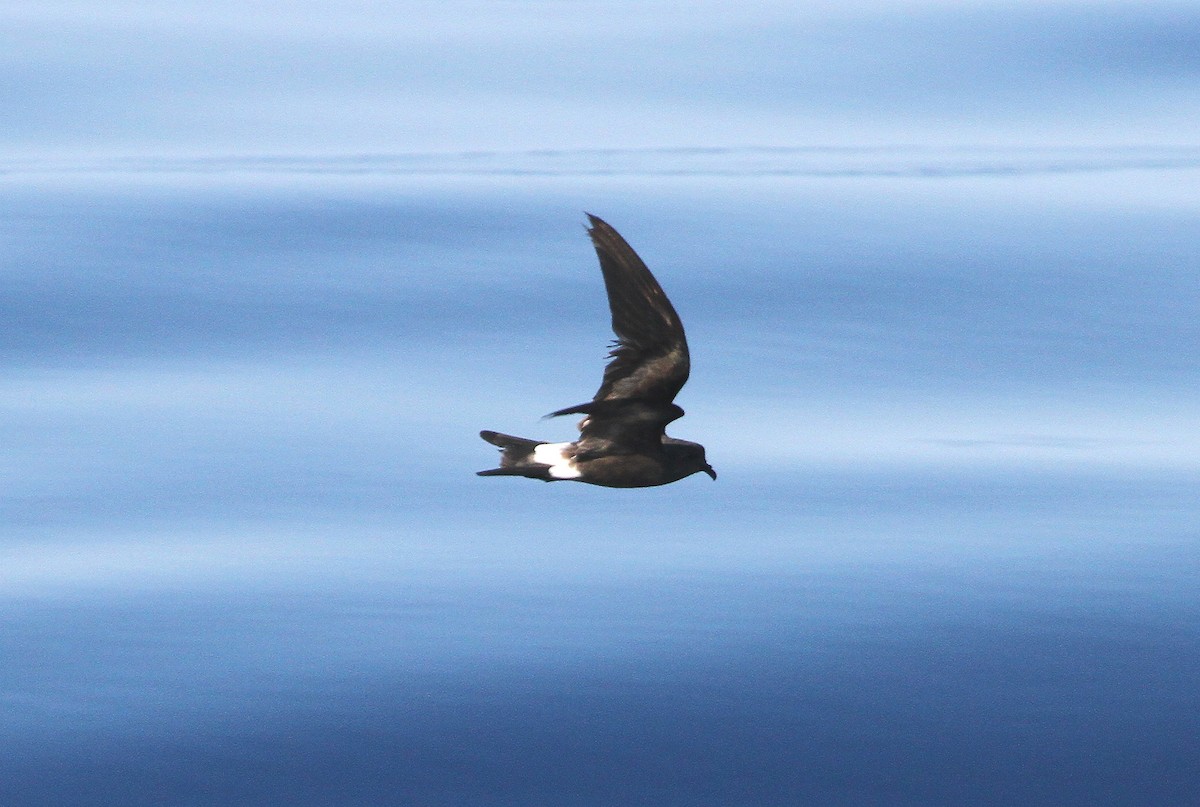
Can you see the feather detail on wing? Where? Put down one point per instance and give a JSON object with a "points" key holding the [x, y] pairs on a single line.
{"points": [[621, 427], [650, 358]]}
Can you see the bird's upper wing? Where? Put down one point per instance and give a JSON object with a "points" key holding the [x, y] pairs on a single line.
{"points": [[650, 358], [649, 362]]}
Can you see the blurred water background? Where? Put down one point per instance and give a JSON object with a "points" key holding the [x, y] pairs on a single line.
{"points": [[944, 340]]}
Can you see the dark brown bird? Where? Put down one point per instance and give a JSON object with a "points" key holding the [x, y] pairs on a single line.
{"points": [[622, 437]]}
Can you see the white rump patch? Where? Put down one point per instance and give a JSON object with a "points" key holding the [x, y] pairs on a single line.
{"points": [[555, 455]]}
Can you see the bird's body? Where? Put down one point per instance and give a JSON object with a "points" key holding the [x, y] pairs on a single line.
{"points": [[622, 440]]}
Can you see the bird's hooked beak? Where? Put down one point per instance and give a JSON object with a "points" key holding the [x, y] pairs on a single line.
{"points": [[708, 469]]}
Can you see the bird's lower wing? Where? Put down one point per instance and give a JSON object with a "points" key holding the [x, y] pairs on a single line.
{"points": [[621, 427]]}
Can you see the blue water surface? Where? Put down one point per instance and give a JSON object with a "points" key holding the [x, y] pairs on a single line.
{"points": [[951, 558]]}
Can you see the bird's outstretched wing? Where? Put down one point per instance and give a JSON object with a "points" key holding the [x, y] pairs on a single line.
{"points": [[650, 358], [649, 362]]}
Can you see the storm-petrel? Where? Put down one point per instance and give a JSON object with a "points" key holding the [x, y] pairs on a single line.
{"points": [[622, 441]]}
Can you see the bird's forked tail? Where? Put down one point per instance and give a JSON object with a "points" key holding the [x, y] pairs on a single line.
{"points": [[517, 457]]}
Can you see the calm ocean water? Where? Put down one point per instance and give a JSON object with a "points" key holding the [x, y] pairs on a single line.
{"points": [[952, 557]]}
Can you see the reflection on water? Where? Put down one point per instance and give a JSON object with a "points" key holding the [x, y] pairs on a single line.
{"points": [[950, 559]]}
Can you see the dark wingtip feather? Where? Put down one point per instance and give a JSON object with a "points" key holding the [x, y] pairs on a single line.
{"points": [[578, 409], [599, 228]]}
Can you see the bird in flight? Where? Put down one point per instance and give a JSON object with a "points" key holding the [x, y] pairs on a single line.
{"points": [[622, 437]]}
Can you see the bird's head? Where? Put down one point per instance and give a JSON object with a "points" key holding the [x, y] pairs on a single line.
{"points": [[686, 458]]}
